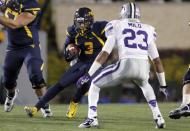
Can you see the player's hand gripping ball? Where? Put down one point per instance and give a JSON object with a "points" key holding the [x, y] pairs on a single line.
{"points": [[73, 49], [72, 52]]}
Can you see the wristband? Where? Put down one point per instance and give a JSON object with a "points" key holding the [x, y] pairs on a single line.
{"points": [[161, 78], [95, 66]]}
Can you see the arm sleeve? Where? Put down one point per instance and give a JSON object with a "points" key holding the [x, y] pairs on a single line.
{"points": [[110, 28], [110, 34], [153, 51], [103, 36], [109, 45], [31, 6], [153, 35], [68, 41]]}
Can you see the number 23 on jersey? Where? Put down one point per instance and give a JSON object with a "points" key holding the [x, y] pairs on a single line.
{"points": [[132, 36]]}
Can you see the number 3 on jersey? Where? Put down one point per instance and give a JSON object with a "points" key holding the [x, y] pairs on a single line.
{"points": [[132, 35]]}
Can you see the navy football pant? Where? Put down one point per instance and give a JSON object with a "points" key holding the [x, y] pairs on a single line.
{"points": [[70, 77], [14, 60]]}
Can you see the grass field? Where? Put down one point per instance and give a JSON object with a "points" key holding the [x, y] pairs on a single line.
{"points": [[112, 117]]}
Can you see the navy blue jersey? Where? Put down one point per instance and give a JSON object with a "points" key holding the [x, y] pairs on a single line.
{"points": [[91, 43], [27, 35]]}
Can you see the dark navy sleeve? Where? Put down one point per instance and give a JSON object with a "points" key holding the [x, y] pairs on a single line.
{"points": [[103, 25], [69, 39], [31, 6], [69, 36]]}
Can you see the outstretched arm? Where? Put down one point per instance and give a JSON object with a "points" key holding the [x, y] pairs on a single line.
{"points": [[154, 56], [103, 55], [99, 61], [21, 20]]}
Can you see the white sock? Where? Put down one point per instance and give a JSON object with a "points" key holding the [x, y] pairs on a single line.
{"points": [[93, 96], [151, 99], [186, 99]]}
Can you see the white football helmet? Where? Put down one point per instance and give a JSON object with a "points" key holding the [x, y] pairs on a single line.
{"points": [[130, 11]]}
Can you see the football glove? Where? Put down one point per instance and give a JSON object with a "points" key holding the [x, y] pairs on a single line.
{"points": [[69, 56], [83, 80], [163, 89]]}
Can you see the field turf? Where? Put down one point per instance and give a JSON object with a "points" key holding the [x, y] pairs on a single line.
{"points": [[112, 117]]}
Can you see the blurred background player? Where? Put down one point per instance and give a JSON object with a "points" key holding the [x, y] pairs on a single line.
{"points": [[135, 42], [184, 109], [20, 17], [86, 36]]}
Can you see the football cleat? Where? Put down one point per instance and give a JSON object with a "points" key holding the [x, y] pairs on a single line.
{"points": [[179, 112], [72, 110], [9, 102], [89, 123], [160, 122], [46, 111], [30, 111]]}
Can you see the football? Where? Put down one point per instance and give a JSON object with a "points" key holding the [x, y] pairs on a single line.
{"points": [[73, 49]]}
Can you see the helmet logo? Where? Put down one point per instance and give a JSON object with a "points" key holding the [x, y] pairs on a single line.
{"points": [[90, 13]]}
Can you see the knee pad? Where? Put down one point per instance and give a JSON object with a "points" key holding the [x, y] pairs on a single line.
{"points": [[39, 85]]}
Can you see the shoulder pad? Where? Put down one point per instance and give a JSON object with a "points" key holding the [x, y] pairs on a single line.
{"points": [[111, 24], [152, 31], [99, 27], [150, 27], [100, 23], [109, 29]]}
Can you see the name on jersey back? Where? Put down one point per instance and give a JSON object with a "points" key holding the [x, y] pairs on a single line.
{"points": [[136, 25]]}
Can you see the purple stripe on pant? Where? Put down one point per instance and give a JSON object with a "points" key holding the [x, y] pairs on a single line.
{"points": [[104, 73]]}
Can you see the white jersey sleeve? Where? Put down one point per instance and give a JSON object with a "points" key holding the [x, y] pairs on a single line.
{"points": [[152, 49], [110, 34], [153, 35], [110, 28], [109, 45]]}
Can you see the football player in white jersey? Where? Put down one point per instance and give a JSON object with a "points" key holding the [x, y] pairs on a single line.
{"points": [[135, 42]]}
